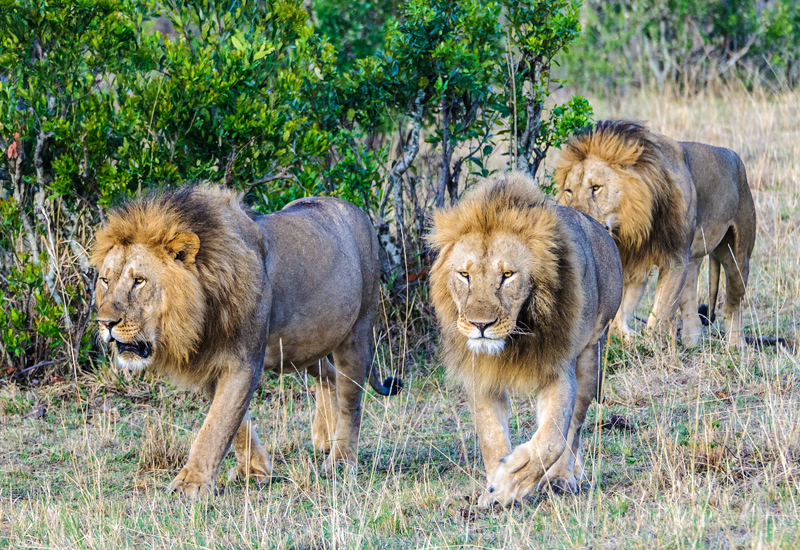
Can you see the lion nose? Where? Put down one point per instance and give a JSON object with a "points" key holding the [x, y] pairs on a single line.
{"points": [[109, 323], [483, 325]]}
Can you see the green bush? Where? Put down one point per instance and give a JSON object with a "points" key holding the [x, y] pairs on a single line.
{"points": [[100, 100], [686, 44]]}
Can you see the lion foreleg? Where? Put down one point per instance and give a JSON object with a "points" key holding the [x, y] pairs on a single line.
{"points": [[519, 473], [567, 472], [692, 330], [631, 296], [665, 305], [232, 396], [491, 422], [251, 458]]}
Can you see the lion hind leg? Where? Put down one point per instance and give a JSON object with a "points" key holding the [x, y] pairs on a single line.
{"points": [[252, 459], [352, 360], [736, 264], [326, 414]]}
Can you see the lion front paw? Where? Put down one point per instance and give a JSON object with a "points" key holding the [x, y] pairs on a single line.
{"points": [[259, 469], [560, 482], [191, 485], [514, 479], [627, 334]]}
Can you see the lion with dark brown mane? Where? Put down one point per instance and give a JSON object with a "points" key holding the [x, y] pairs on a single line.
{"points": [[668, 204], [196, 288], [524, 291]]}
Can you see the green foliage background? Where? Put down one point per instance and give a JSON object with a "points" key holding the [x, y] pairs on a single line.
{"points": [[690, 45], [101, 100], [395, 106]]}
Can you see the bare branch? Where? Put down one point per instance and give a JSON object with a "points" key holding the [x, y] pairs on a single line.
{"points": [[228, 181], [282, 174]]}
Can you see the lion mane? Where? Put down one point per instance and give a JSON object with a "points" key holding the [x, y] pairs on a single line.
{"points": [[209, 300], [545, 336], [653, 228]]}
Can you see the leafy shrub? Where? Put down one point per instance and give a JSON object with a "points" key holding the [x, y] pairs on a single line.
{"points": [[687, 44], [100, 100]]}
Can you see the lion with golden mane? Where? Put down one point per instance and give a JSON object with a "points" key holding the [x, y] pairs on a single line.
{"points": [[668, 204], [196, 288], [524, 291]]}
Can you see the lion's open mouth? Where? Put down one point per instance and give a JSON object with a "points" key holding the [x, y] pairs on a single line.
{"points": [[142, 349]]}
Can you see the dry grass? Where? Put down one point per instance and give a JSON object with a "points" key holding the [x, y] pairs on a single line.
{"points": [[712, 458]]}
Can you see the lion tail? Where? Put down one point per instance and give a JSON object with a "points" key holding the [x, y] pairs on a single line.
{"points": [[706, 312], [390, 386]]}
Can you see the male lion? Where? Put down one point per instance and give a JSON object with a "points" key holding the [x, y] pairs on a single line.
{"points": [[524, 291], [668, 204], [197, 289]]}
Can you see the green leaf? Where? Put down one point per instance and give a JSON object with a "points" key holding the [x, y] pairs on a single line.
{"points": [[237, 42]]}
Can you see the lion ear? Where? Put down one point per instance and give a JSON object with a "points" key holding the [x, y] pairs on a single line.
{"points": [[184, 247]]}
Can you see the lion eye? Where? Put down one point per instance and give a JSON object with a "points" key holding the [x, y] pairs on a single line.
{"points": [[138, 281], [464, 274], [567, 191], [507, 274], [596, 188], [104, 280]]}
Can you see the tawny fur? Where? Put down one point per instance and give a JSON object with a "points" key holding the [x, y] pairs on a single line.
{"points": [[194, 287], [545, 342], [652, 218], [209, 299]]}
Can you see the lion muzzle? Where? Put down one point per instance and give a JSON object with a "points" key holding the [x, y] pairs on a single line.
{"points": [[482, 335], [133, 352], [488, 346]]}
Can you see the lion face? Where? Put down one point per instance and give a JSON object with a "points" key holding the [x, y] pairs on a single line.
{"points": [[134, 296], [128, 297], [595, 188], [489, 283]]}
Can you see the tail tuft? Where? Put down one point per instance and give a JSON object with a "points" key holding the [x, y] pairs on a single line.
{"points": [[393, 384], [702, 311]]}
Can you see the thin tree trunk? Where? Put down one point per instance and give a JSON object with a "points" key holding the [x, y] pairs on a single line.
{"points": [[533, 123], [44, 177], [394, 250], [419, 213], [15, 171], [447, 155], [43, 174]]}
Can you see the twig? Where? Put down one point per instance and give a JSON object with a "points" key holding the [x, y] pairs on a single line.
{"points": [[282, 174], [36, 366], [229, 168]]}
